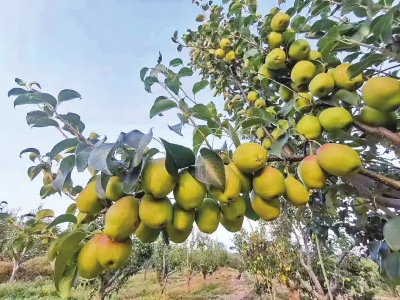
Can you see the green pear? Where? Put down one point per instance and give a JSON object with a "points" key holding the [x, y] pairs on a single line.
{"points": [[182, 219], [321, 85], [122, 218], [268, 183], [146, 234], [285, 93], [267, 210], [114, 189], [339, 159], [310, 127], [232, 187], [295, 193], [207, 216], [382, 93], [88, 264], [378, 118], [155, 213], [343, 80], [246, 180], [234, 210], [189, 193], [280, 21], [156, 180], [335, 118], [88, 201], [303, 72], [299, 50], [311, 173], [276, 59], [232, 225]]}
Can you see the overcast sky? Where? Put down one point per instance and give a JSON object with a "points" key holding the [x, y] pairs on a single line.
{"points": [[96, 48]]}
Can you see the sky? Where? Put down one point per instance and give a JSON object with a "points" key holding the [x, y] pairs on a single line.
{"points": [[96, 48]]}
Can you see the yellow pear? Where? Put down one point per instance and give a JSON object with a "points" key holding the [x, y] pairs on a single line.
{"points": [[382, 93], [314, 55], [146, 234], [225, 42], [260, 133], [285, 93], [178, 236], [310, 127], [156, 180], [155, 213], [232, 225], [296, 193], [378, 118], [260, 103], [114, 189], [219, 53], [112, 255], [299, 50], [264, 72], [280, 22], [246, 180], [343, 81], [88, 264], [339, 159], [189, 192], [234, 210], [252, 96], [88, 201], [249, 157], [274, 40], [122, 218], [302, 72], [276, 59], [232, 187], [311, 173], [335, 118], [267, 210], [268, 183], [230, 56], [303, 102], [266, 143], [321, 85], [182, 219], [207, 216]]}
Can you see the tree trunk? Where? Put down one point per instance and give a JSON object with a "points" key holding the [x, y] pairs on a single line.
{"points": [[15, 270], [204, 276], [145, 274]]}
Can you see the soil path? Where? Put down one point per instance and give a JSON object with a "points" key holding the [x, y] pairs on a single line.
{"points": [[239, 289]]}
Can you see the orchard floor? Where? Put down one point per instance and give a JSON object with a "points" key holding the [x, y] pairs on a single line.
{"points": [[223, 285]]}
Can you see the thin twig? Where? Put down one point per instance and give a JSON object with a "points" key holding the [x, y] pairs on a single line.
{"points": [[323, 269]]}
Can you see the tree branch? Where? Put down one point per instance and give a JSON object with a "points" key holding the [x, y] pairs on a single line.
{"points": [[379, 131], [323, 268], [395, 184]]}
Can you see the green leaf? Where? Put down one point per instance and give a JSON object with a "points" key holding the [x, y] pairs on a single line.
{"points": [[185, 71], [383, 28], [160, 105], [66, 166], [391, 233], [368, 61], [66, 95], [17, 92], [36, 98], [143, 73], [46, 191], [145, 140], [298, 22], [34, 116], [68, 248], [322, 25], [201, 111], [232, 132], [277, 145], [68, 217], [148, 83], [263, 114], [252, 121], [130, 181], [176, 128], [251, 52], [288, 37], [173, 84], [391, 264], [250, 213], [61, 146], [73, 120], [44, 213], [35, 170], [82, 153], [210, 169], [177, 157], [46, 122], [30, 150], [198, 139], [350, 97], [70, 209], [198, 86], [4, 216], [66, 281], [98, 157], [175, 62]]}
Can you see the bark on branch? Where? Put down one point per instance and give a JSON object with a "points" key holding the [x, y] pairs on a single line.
{"points": [[379, 131]]}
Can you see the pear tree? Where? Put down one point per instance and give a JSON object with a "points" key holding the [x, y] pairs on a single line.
{"points": [[306, 112]]}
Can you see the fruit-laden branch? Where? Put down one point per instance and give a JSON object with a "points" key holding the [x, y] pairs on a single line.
{"points": [[289, 158], [380, 131]]}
